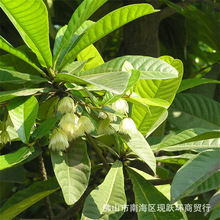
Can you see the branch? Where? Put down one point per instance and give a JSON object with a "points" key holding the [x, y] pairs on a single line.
{"points": [[44, 177]]}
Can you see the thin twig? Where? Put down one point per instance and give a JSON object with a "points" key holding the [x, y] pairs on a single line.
{"points": [[44, 177], [96, 148]]}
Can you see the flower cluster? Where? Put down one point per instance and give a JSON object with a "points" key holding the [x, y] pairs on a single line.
{"points": [[71, 126]]}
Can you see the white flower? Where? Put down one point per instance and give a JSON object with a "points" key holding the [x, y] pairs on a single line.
{"points": [[111, 116], [5, 138], [104, 128], [58, 140], [120, 106], [102, 115], [86, 123], [69, 124], [127, 126], [66, 105]]}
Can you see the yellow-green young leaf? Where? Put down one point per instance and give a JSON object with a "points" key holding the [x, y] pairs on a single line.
{"points": [[31, 20], [106, 25], [23, 113], [109, 194], [92, 55], [72, 170], [9, 160], [162, 89], [6, 46], [25, 198]]}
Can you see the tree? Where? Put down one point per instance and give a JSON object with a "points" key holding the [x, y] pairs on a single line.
{"points": [[113, 138]]}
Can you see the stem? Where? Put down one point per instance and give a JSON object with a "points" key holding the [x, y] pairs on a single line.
{"points": [[96, 148], [44, 177]]}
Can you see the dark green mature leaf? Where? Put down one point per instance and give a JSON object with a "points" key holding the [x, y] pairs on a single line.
{"points": [[213, 182], [191, 111], [32, 24], [115, 81], [162, 89], [106, 25], [109, 193], [23, 113], [140, 147], [7, 95], [72, 170], [215, 200], [4, 45], [215, 215], [25, 198], [190, 83], [80, 15], [14, 77], [44, 128], [150, 68], [9, 160], [146, 193], [194, 173]]}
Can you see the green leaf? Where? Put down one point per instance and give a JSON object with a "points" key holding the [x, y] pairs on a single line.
{"points": [[190, 83], [194, 173], [213, 182], [25, 198], [162, 89], [215, 215], [72, 170], [10, 160], [114, 82], [44, 128], [191, 111], [75, 67], [80, 15], [146, 193], [14, 77], [179, 159], [150, 68], [23, 113], [6, 46], [137, 143], [92, 54], [109, 193], [32, 24], [106, 25]]}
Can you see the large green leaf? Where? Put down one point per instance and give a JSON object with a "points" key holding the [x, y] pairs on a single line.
{"points": [[109, 194], [14, 77], [92, 55], [9, 160], [23, 113], [192, 110], [25, 198], [146, 194], [106, 25], [179, 159], [72, 170], [140, 147], [190, 83], [150, 68], [80, 15], [213, 182], [115, 82], [162, 89], [6, 46], [7, 95], [194, 173], [31, 20]]}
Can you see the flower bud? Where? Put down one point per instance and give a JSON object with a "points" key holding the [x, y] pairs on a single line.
{"points": [[127, 126], [111, 116], [66, 105], [120, 106], [58, 140], [104, 128], [5, 138], [86, 123]]}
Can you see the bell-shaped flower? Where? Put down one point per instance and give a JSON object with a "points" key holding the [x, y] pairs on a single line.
{"points": [[86, 123], [58, 140], [120, 106], [5, 138], [104, 127], [66, 105], [127, 126], [111, 116]]}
